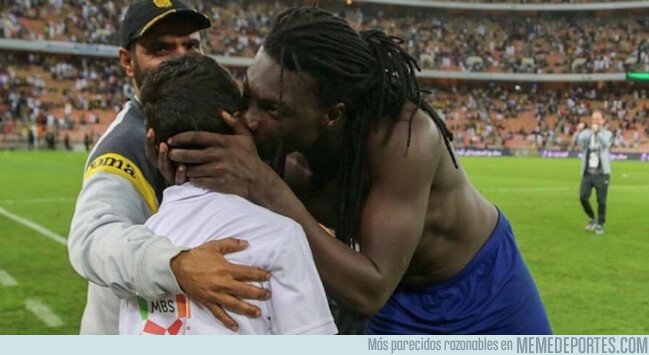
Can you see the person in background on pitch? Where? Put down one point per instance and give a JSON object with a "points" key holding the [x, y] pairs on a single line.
{"points": [[595, 143], [108, 243]]}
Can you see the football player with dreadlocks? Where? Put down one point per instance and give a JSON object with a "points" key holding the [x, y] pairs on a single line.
{"points": [[418, 249]]}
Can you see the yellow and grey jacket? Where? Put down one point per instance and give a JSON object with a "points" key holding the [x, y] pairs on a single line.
{"points": [[108, 244]]}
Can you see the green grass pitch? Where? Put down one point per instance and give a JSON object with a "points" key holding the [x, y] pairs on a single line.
{"points": [[590, 284]]}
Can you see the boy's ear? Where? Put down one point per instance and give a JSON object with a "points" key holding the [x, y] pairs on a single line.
{"points": [[334, 115]]}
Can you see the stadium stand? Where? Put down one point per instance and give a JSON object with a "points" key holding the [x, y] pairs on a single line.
{"points": [[538, 43], [61, 96], [64, 95], [540, 118]]}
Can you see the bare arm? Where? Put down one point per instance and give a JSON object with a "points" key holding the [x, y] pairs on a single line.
{"points": [[392, 219], [393, 215]]}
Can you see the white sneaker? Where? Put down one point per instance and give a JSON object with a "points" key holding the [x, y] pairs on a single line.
{"points": [[599, 229], [590, 227]]}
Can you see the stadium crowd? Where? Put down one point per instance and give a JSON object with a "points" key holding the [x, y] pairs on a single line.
{"points": [[74, 97], [473, 41], [48, 96], [537, 118]]}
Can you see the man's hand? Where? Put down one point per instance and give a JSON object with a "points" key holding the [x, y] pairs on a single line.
{"points": [[227, 163], [595, 128], [581, 126], [160, 159], [205, 276]]}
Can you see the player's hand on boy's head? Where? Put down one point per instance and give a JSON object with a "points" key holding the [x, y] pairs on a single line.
{"points": [[235, 122], [226, 163], [208, 278]]}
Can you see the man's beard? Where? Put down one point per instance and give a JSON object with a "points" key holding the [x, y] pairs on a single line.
{"points": [[273, 154], [277, 163], [138, 75]]}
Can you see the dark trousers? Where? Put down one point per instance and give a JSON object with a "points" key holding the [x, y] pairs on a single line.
{"points": [[347, 322], [600, 183]]}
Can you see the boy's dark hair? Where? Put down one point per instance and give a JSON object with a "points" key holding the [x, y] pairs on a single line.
{"points": [[368, 71], [187, 94]]}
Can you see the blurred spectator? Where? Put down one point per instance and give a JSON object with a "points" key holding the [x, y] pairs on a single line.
{"points": [[54, 93], [578, 42], [494, 116], [58, 94]]}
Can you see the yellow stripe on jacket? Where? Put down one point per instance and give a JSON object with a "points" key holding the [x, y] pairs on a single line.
{"points": [[119, 165]]}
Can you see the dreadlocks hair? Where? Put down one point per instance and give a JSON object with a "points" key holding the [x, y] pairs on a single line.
{"points": [[368, 71], [187, 94]]}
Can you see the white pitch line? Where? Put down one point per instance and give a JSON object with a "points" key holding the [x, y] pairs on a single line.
{"points": [[38, 200], [6, 279], [40, 229], [43, 313]]}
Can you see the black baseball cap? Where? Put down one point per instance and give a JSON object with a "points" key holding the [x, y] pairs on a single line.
{"points": [[142, 15]]}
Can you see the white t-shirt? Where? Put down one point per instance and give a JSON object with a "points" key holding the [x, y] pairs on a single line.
{"points": [[190, 216], [593, 154]]}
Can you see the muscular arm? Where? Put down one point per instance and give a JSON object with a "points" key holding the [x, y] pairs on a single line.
{"points": [[392, 218], [393, 215]]}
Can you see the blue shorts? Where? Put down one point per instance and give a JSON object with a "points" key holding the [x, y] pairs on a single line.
{"points": [[493, 294]]}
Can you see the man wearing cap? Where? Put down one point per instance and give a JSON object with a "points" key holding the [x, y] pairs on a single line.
{"points": [[108, 244]]}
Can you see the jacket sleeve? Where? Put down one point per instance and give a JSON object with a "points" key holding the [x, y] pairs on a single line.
{"points": [[582, 138], [109, 245], [605, 138]]}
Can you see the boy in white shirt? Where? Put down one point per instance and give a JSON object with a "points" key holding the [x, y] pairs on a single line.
{"points": [[186, 94]]}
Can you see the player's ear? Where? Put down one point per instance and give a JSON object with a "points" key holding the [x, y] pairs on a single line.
{"points": [[335, 114], [126, 60]]}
